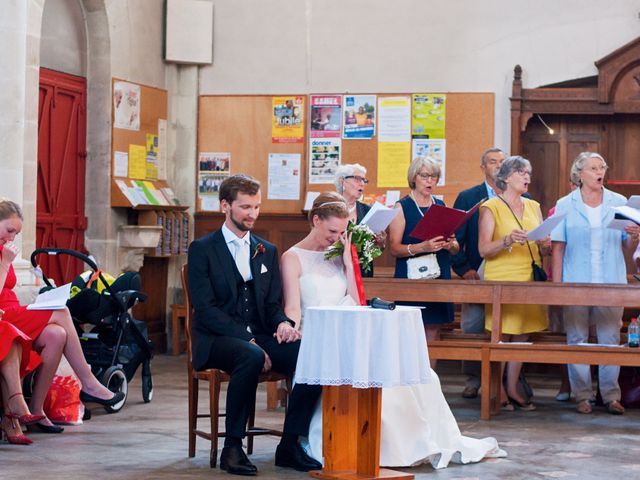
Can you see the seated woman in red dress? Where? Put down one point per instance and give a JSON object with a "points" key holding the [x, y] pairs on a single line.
{"points": [[16, 360], [52, 331]]}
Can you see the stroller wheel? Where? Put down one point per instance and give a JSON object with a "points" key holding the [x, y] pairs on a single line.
{"points": [[147, 388], [115, 380]]}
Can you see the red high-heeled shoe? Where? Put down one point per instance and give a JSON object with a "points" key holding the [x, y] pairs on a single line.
{"points": [[27, 418], [20, 439]]}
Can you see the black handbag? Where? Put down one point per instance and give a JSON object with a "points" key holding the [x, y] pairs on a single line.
{"points": [[539, 275]]}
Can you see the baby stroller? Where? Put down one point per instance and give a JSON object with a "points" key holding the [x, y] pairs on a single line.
{"points": [[117, 343]]}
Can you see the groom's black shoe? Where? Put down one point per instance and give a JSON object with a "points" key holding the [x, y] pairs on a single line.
{"points": [[235, 461], [294, 456]]}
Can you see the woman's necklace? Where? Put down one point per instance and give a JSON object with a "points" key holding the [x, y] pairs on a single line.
{"points": [[352, 209], [415, 202]]}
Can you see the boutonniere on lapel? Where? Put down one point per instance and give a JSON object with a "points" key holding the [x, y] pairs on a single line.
{"points": [[259, 250]]}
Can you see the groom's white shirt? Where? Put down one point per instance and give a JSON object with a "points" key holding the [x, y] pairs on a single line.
{"points": [[230, 238]]}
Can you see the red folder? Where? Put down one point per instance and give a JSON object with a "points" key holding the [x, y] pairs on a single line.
{"points": [[442, 221]]}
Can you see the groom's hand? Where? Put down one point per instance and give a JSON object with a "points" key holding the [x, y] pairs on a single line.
{"points": [[286, 333], [267, 360]]}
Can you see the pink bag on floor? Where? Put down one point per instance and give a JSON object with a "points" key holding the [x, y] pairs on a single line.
{"points": [[63, 404]]}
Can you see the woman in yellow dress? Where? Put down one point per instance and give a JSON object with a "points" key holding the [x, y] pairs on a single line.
{"points": [[502, 242]]}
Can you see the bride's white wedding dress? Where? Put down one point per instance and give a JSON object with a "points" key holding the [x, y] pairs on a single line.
{"points": [[417, 423]]}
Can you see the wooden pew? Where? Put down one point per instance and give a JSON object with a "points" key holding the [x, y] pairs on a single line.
{"points": [[490, 352]]}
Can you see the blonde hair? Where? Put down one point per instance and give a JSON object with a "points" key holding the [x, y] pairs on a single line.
{"points": [[418, 164], [9, 209], [328, 204]]}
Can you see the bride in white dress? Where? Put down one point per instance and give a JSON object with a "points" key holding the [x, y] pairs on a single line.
{"points": [[417, 423]]}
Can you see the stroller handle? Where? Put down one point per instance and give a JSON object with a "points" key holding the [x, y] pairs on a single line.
{"points": [[65, 251], [78, 255]]}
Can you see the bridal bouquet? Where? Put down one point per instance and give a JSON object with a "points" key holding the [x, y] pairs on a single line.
{"points": [[365, 242]]}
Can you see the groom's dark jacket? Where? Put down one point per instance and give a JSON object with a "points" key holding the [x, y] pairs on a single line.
{"points": [[213, 286]]}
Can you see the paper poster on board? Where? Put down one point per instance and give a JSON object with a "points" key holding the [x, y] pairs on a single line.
{"points": [[287, 124], [324, 159], [436, 149], [394, 159], [326, 116], [126, 105], [218, 162], [394, 119], [284, 176], [428, 115], [209, 190], [359, 116]]}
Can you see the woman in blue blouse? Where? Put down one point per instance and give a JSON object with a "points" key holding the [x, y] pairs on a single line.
{"points": [[586, 251]]}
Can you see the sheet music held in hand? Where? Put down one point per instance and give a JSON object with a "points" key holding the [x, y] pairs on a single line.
{"points": [[625, 212], [379, 217], [55, 299], [546, 227], [442, 221]]}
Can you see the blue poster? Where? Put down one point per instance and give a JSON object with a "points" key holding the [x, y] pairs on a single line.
{"points": [[359, 116]]}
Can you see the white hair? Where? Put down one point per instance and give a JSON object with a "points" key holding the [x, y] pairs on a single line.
{"points": [[346, 170]]}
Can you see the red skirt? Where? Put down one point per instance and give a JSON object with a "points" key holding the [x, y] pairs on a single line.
{"points": [[9, 334]]}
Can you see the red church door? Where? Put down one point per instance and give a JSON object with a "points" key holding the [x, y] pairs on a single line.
{"points": [[61, 169]]}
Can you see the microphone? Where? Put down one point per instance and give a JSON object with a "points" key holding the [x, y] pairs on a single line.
{"points": [[383, 304]]}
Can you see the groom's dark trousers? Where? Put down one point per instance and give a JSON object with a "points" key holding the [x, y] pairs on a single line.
{"points": [[225, 305]]}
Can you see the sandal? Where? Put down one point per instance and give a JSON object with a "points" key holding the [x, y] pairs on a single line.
{"points": [[527, 406], [584, 406], [507, 406], [615, 408]]}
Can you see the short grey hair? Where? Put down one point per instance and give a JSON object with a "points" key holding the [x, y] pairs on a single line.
{"points": [[483, 161], [346, 170], [510, 165], [578, 165], [418, 164]]}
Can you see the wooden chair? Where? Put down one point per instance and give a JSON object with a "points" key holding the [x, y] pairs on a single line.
{"points": [[215, 377]]}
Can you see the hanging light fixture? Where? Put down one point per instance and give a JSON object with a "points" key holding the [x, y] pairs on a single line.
{"points": [[549, 129]]}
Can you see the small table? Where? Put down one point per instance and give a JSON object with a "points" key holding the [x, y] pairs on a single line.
{"points": [[354, 352]]}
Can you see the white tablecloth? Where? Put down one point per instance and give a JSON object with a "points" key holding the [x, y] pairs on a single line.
{"points": [[363, 347]]}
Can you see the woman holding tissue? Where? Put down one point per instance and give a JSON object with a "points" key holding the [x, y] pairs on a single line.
{"points": [[52, 331], [586, 251], [502, 242], [414, 256], [350, 181]]}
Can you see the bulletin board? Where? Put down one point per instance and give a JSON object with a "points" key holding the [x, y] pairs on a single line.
{"points": [[241, 125], [153, 107]]}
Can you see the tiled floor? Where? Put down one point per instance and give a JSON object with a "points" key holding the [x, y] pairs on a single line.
{"points": [[149, 441]]}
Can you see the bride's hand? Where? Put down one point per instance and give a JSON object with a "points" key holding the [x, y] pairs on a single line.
{"points": [[345, 238]]}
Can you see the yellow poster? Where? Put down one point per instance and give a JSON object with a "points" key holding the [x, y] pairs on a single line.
{"points": [[393, 162], [137, 162], [428, 115], [287, 120]]}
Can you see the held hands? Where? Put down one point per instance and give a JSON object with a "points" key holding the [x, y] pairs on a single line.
{"points": [[286, 333], [381, 239]]}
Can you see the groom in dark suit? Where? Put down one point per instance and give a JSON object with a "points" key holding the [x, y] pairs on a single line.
{"points": [[239, 325]]}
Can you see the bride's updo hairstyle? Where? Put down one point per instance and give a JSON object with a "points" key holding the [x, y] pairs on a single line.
{"points": [[328, 204]]}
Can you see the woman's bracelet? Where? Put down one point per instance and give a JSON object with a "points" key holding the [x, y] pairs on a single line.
{"points": [[505, 245], [409, 250]]}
